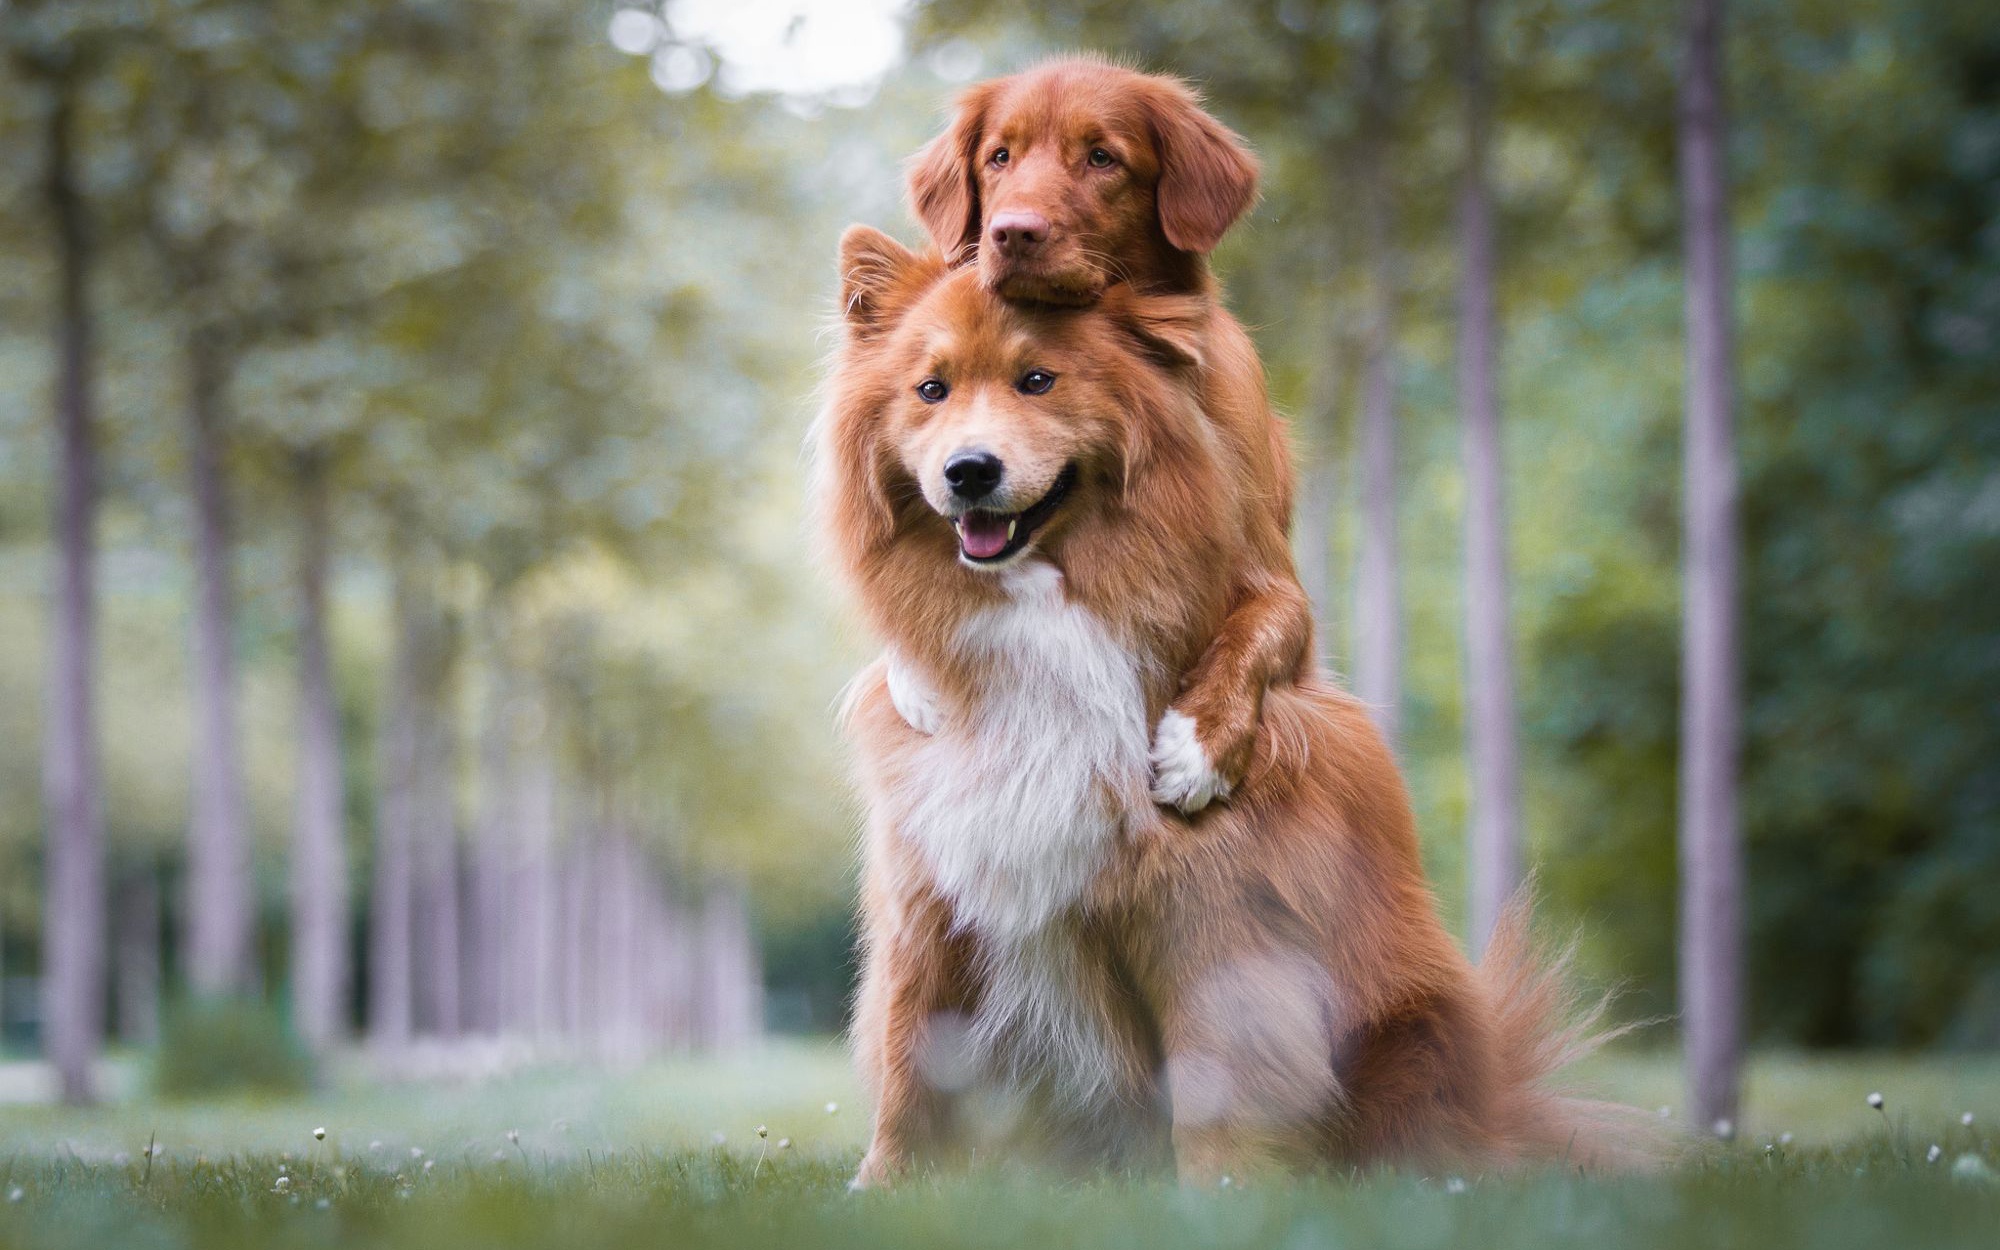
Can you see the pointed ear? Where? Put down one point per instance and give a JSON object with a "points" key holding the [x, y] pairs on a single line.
{"points": [[1208, 178], [943, 177], [1170, 329], [878, 278]]}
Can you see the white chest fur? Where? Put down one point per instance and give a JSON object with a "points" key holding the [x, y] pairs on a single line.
{"points": [[1016, 801]]}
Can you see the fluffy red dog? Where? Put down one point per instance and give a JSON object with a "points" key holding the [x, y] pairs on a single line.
{"points": [[1078, 177], [1041, 521]]}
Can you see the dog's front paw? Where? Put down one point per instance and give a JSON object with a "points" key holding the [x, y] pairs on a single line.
{"points": [[879, 1170], [1184, 777], [915, 701]]}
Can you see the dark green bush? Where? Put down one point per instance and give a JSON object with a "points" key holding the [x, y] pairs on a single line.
{"points": [[228, 1046]]}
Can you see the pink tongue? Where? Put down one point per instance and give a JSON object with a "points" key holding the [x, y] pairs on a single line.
{"points": [[983, 535]]}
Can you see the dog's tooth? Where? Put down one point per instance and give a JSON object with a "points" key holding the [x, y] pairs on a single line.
{"points": [[1010, 530]]}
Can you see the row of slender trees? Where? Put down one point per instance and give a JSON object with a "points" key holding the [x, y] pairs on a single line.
{"points": [[1711, 856], [527, 876], [1710, 851], [325, 466]]}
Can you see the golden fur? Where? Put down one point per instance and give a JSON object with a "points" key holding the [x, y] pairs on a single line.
{"points": [[1174, 181], [1056, 966]]}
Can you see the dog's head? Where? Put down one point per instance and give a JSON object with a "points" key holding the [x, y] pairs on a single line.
{"points": [[1077, 174], [987, 430]]}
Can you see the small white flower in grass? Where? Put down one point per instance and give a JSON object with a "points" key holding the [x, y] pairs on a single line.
{"points": [[762, 1131], [429, 1164], [416, 1152], [833, 1108], [1970, 1167], [1454, 1184], [319, 1134], [1966, 1119], [1875, 1101], [1225, 1183], [1784, 1139], [1934, 1154], [719, 1137], [15, 1194], [283, 1184], [1725, 1128], [784, 1143], [375, 1145], [514, 1136]]}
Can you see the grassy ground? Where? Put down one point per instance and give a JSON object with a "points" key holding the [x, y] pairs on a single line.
{"points": [[670, 1156]]}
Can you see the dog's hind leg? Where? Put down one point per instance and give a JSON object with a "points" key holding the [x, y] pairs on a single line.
{"points": [[1247, 1036]]}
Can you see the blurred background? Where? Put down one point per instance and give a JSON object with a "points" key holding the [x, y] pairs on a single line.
{"points": [[449, 680]]}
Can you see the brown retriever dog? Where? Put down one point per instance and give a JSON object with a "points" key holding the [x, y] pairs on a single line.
{"points": [[1071, 178], [1057, 969]]}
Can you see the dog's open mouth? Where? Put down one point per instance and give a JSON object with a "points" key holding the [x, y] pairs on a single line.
{"points": [[991, 537]]}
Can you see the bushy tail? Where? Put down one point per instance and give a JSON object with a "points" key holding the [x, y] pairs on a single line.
{"points": [[1542, 1025]]}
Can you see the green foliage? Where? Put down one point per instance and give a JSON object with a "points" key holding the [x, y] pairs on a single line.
{"points": [[1866, 153], [228, 1046]]}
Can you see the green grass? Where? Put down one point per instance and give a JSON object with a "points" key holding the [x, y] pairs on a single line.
{"points": [[632, 1160]]}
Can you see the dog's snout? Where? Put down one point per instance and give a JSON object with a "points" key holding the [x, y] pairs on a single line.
{"points": [[973, 475], [1018, 233]]}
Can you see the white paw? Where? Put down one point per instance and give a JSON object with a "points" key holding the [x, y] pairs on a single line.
{"points": [[913, 699], [1182, 776]]}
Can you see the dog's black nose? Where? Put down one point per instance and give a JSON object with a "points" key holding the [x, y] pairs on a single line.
{"points": [[973, 474]]}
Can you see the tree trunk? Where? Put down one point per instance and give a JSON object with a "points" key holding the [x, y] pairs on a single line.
{"points": [[732, 1010], [532, 932], [73, 961], [390, 957], [435, 849], [1319, 482], [1495, 858], [1710, 849], [319, 844], [136, 944], [1378, 632], [219, 913], [489, 913]]}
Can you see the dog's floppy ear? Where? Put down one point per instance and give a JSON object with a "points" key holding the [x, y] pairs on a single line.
{"points": [[1208, 178], [878, 279], [943, 177]]}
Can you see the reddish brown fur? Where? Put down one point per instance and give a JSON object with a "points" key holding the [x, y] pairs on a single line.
{"points": [[1287, 939], [1178, 181]]}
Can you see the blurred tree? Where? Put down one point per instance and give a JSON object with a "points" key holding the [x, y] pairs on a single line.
{"points": [[1492, 757], [1711, 850], [1378, 596], [61, 51], [319, 935]]}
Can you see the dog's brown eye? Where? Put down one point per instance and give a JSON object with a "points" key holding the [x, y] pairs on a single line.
{"points": [[1036, 381], [999, 156], [931, 390], [1100, 159]]}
